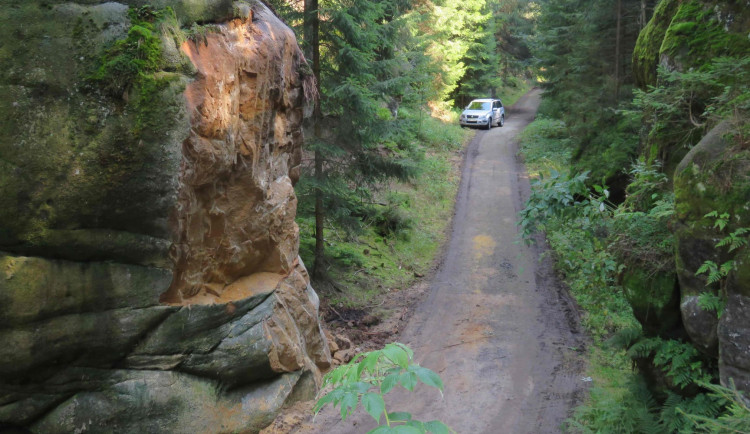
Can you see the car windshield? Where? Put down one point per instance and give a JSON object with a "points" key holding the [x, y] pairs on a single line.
{"points": [[479, 105]]}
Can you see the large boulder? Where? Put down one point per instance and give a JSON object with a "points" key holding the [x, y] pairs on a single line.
{"points": [[687, 34], [684, 36], [149, 269], [715, 176]]}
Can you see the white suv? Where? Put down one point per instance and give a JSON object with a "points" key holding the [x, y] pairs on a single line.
{"points": [[483, 112]]}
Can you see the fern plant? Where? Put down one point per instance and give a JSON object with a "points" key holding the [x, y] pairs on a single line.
{"points": [[681, 362], [733, 417], [717, 273], [712, 302]]}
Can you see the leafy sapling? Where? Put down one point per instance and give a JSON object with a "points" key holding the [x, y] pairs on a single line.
{"points": [[369, 377]]}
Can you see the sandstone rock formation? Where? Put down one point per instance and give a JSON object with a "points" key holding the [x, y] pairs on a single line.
{"points": [[714, 176], [711, 174], [148, 250]]}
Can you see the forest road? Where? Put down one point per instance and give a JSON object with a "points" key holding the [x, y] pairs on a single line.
{"points": [[496, 325]]}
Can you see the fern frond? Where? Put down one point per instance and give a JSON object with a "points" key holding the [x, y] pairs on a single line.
{"points": [[726, 268], [737, 243], [625, 338], [707, 267], [643, 348]]}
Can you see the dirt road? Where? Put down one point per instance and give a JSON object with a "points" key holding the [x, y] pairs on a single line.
{"points": [[496, 325]]}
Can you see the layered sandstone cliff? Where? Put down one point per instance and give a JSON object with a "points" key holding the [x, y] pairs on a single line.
{"points": [[148, 250]]}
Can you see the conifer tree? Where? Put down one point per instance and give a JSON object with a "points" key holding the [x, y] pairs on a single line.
{"points": [[361, 67]]}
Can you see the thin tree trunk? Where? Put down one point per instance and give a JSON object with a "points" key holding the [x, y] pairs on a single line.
{"points": [[319, 218], [311, 28], [617, 49], [643, 14]]}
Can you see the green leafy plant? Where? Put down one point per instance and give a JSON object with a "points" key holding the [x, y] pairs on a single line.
{"points": [[717, 273], [712, 302], [369, 377], [565, 196], [681, 362], [734, 419]]}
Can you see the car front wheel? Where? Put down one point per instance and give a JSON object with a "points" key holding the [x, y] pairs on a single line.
{"points": [[489, 123]]}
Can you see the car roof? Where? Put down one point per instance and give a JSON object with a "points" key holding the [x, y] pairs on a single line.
{"points": [[486, 99]]}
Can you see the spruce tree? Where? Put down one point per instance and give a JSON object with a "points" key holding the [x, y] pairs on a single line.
{"points": [[361, 69]]}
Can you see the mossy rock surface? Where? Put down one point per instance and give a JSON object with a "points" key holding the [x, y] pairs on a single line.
{"points": [[655, 299], [47, 346], [686, 37], [715, 177], [646, 52], [93, 120], [81, 167], [688, 34], [156, 401], [35, 289], [702, 30], [734, 338]]}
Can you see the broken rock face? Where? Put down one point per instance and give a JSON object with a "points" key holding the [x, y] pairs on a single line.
{"points": [[236, 208], [218, 327]]}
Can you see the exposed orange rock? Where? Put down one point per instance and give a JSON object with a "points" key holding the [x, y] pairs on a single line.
{"points": [[236, 206]]}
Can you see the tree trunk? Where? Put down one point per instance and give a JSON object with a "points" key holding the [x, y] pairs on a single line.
{"points": [[617, 49], [317, 270], [311, 29]]}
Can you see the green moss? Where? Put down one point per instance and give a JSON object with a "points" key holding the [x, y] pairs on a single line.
{"points": [[714, 185], [133, 57], [150, 104], [654, 298], [646, 51], [696, 35], [199, 33]]}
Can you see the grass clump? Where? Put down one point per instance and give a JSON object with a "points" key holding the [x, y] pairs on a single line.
{"points": [[545, 146]]}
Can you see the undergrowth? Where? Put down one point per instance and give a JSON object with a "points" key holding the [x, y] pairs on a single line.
{"points": [[642, 382]]}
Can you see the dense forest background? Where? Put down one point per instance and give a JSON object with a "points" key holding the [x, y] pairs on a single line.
{"points": [[631, 87], [381, 136]]}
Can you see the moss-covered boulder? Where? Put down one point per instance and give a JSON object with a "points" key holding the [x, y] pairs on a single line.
{"points": [[688, 34], [701, 30], [655, 300], [149, 270], [686, 38], [715, 177], [647, 48]]}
